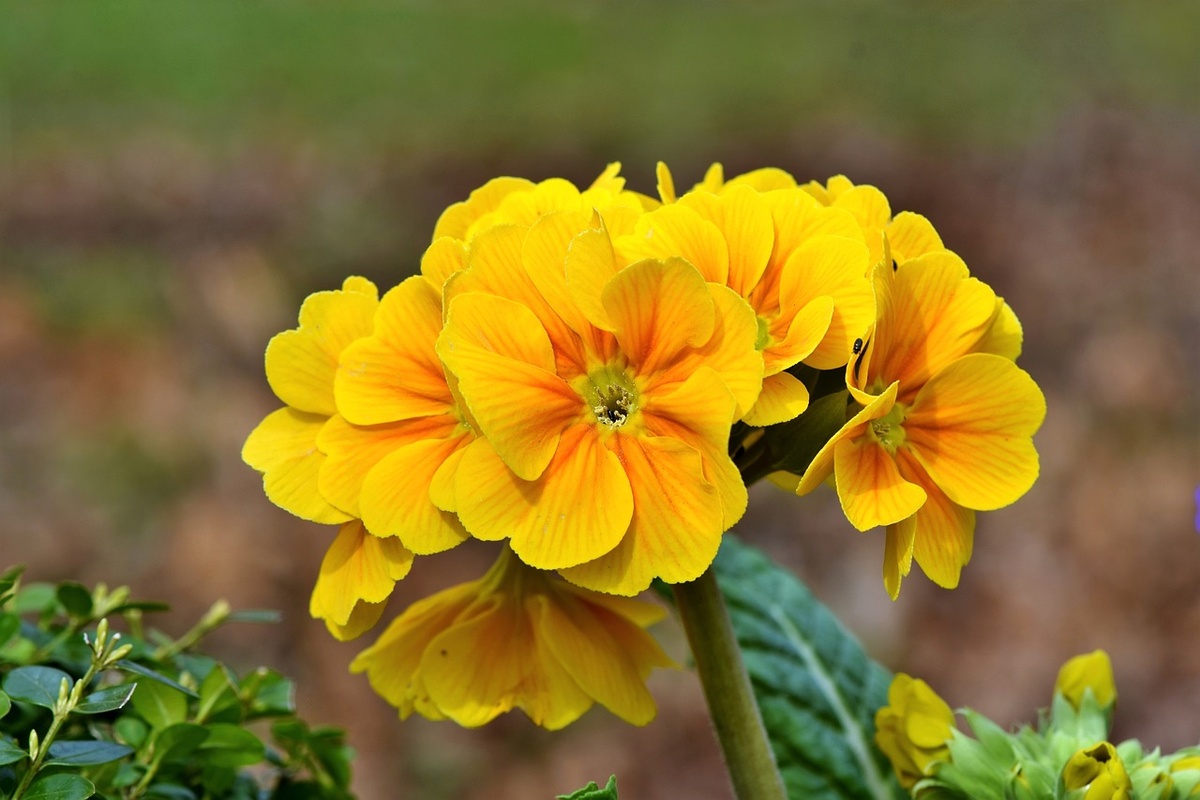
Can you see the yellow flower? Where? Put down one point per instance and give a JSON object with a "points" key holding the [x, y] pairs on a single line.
{"points": [[359, 571], [914, 729], [945, 426], [517, 638], [605, 396], [801, 266], [1089, 671], [1098, 768]]}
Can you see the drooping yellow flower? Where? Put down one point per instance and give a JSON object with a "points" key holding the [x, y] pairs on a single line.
{"points": [[914, 729], [517, 638], [1089, 671], [605, 397], [1101, 771], [945, 426], [359, 571], [801, 266]]}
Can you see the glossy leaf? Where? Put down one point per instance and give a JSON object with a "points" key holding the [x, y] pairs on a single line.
{"points": [[160, 705], [36, 685], [60, 787], [109, 699], [231, 746], [85, 754], [180, 741], [11, 752], [9, 624], [146, 672], [5, 704], [75, 598]]}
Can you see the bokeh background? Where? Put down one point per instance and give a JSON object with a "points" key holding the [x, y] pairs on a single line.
{"points": [[175, 178]]}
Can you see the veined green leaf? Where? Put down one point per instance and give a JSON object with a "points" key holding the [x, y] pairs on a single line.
{"points": [[146, 672], [37, 685], [5, 704], [75, 598], [817, 689], [11, 752], [159, 704], [109, 699], [60, 787], [85, 754]]}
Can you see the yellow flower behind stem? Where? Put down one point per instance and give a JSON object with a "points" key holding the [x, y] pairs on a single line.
{"points": [[1089, 671], [913, 730], [1100, 770], [517, 638]]}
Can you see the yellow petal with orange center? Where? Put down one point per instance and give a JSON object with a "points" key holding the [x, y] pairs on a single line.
{"points": [[835, 267], [284, 448], [870, 486], [659, 309], [821, 467], [898, 554], [783, 397], [911, 235], [301, 363], [677, 231], [970, 427], [458, 218], [395, 374], [590, 265], [576, 511], [744, 220], [677, 520], [801, 332], [442, 259], [357, 568], [395, 498]]}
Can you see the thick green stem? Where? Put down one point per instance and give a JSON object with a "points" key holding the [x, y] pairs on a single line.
{"points": [[731, 704]]}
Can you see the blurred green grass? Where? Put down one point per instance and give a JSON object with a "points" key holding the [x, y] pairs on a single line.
{"points": [[642, 80]]}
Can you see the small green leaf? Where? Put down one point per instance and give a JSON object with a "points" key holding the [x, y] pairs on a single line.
{"points": [[34, 598], [11, 752], [131, 730], [169, 791], [146, 672], [159, 704], [37, 685], [594, 792], [794, 444], [180, 741], [75, 598], [145, 606], [231, 746], [109, 699], [85, 753], [5, 704], [9, 624], [60, 787], [272, 694], [261, 615], [817, 689]]}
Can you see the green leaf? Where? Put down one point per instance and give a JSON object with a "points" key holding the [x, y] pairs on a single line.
{"points": [[180, 741], [60, 787], [594, 792], [159, 704], [75, 598], [8, 581], [9, 624], [147, 606], [34, 598], [11, 752], [85, 754], [169, 791], [260, 615], [816, 687], [37, 685], [231, 746], [131, 730], [794, 444], [5, 704], [146, 672], [109, 699]]}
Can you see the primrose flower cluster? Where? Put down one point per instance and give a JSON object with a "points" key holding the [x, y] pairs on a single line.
{"points": [[591, 378], [1067, 756]]}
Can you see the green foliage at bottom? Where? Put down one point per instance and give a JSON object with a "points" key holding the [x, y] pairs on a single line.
{"points": [[594, 792]]}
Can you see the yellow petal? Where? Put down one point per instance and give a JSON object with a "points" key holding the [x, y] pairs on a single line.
{"points": [[666, 184], [765, 179], [803, 331], [677, 231], [1004, 336], [576, 511], [714, 178], [659, 309], [911, 235], [868, 205], [783, 397], [835, 267], [610, 179], [870, 486], [970, 427], [458, 218], [441, 488], [898, 554], [284, 448], [744, 220], [362, 619], [544, 255], [944, 530], [358, 567], [442, 259], [396, 500], [552, 194], [590, 264], [677, 520], [301, 363], [395, 373], [821, 466]]}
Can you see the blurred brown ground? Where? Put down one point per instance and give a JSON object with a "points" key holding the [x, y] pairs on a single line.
{"points": [[129, 381]]}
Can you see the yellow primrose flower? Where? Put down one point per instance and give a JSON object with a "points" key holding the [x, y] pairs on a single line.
{"points": [[359, 571], [517, 638], [605, 396], [913, 730], [801, 266], [1089, 671], [1099, 769], [945, 427]]}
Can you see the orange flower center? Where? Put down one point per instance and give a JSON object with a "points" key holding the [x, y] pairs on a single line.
{"points": [[611, 394], [888, 430]]}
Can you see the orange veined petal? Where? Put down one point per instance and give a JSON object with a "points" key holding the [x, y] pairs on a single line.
{"points": [[745, 222], [458, 218], [441, 488], [396, 501], [590, 265], [363, 617], [1004, 336], [395, 374], [442, 259], [898, 554], [504, 364], [943, 530], [821, 467], [284, 448], [677, 231], [870, 486], [351, 452], [677, 520], [929, 313], [552, 194], [870, 207], [639, 612], [795, 336], [544, 255], [578, 509], [783, 397], [358, 567], [970, 427], [659, 310], [301, 363], [911, 235]]}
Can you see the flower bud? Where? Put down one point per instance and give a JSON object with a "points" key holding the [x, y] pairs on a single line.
{"points": [[1099, 769], [1091, 671], [913, 729]]}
